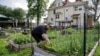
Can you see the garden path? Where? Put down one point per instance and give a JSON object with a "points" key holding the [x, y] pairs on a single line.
{"points": [[39, 52]]}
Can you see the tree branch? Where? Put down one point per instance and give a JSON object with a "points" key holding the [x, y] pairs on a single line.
{"points": [[98, 16]]}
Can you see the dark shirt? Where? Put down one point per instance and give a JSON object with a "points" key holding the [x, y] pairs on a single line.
{"points": [[40, 30]]}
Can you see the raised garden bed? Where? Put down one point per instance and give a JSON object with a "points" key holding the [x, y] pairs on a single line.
{"points": [[20, 42], [18, 47]]}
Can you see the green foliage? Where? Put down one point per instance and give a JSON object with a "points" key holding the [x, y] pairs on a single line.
{"points": [[26, 51], [36, 8], [16, 13], [96, 26], [70, 44], [70, 30], [23, 39], [45, 45], [7, 11], [67, 45], [97, 51], [5, 51]]}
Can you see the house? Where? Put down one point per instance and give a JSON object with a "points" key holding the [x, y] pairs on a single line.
{"points": [[66, 13]]}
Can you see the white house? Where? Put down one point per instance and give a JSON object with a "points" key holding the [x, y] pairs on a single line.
{"points": [[65, 13]]}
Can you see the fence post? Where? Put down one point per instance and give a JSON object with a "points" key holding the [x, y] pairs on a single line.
{"points": [[84, 39]]}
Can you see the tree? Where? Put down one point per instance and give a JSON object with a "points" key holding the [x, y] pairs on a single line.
{"points": [[18, 13], [95, 9], [36, 8], [7, 11]]}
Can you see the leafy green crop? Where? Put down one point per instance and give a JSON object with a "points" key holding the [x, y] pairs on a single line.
{"points": [[70, 44], [23, 39], [63, 45], [97, 53]]}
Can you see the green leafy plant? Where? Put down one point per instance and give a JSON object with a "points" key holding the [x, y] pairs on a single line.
{"points": [[23, 39]]}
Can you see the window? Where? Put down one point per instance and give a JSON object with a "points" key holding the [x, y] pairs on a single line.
{"points": [[58, 4], [51, 19], [54, 11], [57, 16], [66, 18], [66, 9], [80, 8], [76, 8]]}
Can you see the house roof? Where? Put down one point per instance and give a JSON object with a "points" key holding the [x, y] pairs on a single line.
{"points": [[74, 3], [53, 6]]}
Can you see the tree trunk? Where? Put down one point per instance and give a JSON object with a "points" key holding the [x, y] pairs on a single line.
{"points": [[95, 10], [98, 17], [37, 20], [38, 12]]}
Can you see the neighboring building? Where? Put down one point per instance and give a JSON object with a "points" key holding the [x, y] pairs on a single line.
{"points": [[65, 13], [6, 22]]}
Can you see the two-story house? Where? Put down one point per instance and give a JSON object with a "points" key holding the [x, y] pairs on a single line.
{"points": [[66, 13]]}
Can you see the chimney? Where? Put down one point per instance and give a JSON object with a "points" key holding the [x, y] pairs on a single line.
{"points": [[66, 1]]}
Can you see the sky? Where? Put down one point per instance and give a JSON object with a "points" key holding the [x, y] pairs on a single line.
{"points": [[15, 3], [19, 3]]}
